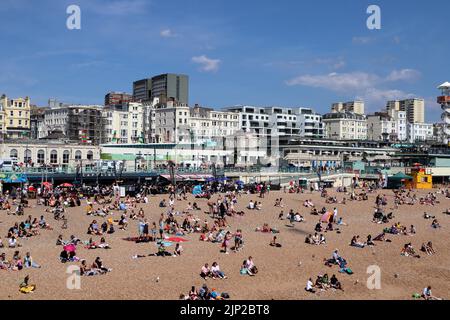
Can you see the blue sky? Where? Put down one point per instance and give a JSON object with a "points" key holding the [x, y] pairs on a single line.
{"points": [[288, 53]]}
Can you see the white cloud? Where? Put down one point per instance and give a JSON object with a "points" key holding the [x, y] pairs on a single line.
{"points": [[403, 75], [340, 82], [361, 85], [167, 33], [207, 64]]}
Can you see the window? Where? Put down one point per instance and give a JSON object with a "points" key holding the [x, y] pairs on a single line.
{"points": [[66, 155], [27, 156], [40, 157], [54, 157], [90, 155], [13, 153]]}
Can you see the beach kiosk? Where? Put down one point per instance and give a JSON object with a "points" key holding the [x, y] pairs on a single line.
{"points": [[398, 181], [421, 178]]}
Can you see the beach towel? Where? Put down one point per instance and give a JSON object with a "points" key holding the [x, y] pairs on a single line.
{"points": [[70, 248], [176, 239], [27, 289], [165, 243]]}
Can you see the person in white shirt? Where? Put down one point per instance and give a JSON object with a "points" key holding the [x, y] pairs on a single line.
{"points": [[251, 205], [310, 286], [216, 272], [12, 242]]}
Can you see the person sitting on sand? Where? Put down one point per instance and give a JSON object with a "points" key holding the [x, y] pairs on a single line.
{"points": [[428, 248], [274, 243], [250, 265], [341, 222], [435, 224], [335, 283], [178, 250], [310, 286], [369, 241], [205, 272], [29, 262], [244, 270], [408, 251], [98, 265], [314, 212], [85, 271], [161, 250], [322, 239], [93, 228], [318, 227], [216, 272], [103, 244], [427, 295], [193, 294], [123, 223], [315, 238], [355, 243]]}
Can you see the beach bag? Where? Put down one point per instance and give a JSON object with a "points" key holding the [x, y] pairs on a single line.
{"points": [[225, 295]]}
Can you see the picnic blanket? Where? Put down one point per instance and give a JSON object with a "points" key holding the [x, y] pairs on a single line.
{"points": [[176, 239]]}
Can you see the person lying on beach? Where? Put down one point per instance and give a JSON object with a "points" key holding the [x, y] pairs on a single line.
{"points": [[427, 216], [381, 237], [308, 204]]}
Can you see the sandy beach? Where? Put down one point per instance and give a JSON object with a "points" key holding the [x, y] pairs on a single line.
{"points": [[283, 272]]}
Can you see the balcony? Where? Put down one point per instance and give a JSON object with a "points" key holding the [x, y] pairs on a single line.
{"points": [[443, 99]]}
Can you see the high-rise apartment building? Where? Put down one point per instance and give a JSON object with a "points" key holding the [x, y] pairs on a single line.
{"points": [[415, 109], [351, 106], [166, 87]]}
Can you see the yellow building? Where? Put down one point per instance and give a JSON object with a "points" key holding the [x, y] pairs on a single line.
{"points": [[421, 178], [16, 117]]}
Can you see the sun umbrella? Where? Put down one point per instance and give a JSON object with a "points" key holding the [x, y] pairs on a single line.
{"points": [[47, 185], [66, 185]]}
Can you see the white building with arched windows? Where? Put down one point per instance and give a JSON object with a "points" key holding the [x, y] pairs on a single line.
{"points": [[55, 153]]}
